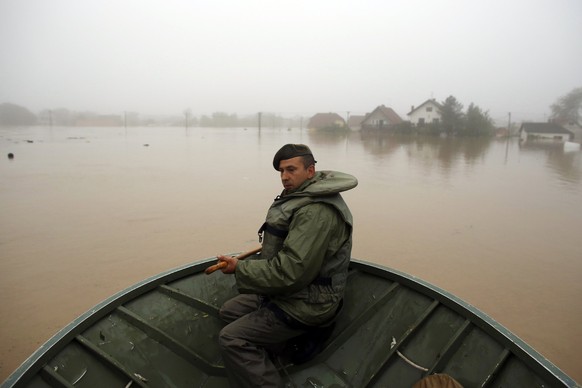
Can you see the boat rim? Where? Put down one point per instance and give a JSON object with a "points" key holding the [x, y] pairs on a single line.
{"points": [[533, 359]]}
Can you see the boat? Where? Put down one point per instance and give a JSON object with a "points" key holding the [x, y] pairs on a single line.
{"points": [[393, 331]]}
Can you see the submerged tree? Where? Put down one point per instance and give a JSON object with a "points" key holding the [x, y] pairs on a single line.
{"points": [[452, 115], [569, 107], [477, 122]]}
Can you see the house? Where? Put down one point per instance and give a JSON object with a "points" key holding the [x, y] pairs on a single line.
{"points": [[326, 121], [550, 131], [572, 126], [426, 113], [381, 118], [355, 122]]}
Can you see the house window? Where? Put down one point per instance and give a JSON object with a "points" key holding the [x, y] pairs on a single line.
{"points": [[436, 121], [429, 108], [421, 121]]}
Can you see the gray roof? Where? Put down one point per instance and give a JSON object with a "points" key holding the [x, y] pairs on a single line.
{"points": [[543, 128]]}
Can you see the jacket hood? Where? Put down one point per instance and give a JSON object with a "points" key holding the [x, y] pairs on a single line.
{"points": [[326, 183]]}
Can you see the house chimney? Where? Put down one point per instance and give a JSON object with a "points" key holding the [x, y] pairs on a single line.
{"points": [[411, 108]]}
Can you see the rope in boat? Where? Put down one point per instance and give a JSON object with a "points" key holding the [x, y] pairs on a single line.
{"points": [[406, 359], [402, 356]]}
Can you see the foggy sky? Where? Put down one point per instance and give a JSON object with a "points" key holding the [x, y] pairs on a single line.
{"points": [[289, 57]]}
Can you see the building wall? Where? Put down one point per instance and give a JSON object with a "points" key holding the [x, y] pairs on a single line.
{"points": [[576, 130], [429, 112], [377, 120], [545, 136]]}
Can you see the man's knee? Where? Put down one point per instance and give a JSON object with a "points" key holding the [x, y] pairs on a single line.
{"points": [[237, 307], [229, 311]]}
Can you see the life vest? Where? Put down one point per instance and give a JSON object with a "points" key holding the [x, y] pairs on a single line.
{"points": [[330, 283]]}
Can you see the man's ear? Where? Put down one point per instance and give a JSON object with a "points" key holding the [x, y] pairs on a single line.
{"points": [[311, 171]]}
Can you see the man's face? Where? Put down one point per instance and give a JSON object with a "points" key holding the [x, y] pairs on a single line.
{"points": [[294, 173]]}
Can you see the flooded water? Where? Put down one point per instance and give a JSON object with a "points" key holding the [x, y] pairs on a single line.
{"points": [[87, 212]]}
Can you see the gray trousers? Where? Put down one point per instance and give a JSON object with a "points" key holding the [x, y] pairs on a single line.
{"points": [[245, 342]]}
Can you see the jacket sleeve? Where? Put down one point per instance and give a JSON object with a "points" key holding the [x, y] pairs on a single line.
{"points": [[299, 261]]}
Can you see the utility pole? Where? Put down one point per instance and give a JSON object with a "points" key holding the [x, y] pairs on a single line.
{"points": [[260, 114], [187, 113], [508, 136]]}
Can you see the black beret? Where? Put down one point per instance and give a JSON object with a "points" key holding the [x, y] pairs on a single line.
{"points": [[289, 151]]}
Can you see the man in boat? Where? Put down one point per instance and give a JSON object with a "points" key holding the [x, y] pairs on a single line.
{"points": [[295, 289]]}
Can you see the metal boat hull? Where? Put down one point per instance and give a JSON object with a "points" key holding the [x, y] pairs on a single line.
{"points": [[394, 330]]}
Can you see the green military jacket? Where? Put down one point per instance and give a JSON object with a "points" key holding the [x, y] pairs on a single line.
{"points": [[306, 250]]}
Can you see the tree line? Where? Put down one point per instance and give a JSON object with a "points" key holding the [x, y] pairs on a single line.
{"points": [[454, 120], [474, 121], [16, 115]]}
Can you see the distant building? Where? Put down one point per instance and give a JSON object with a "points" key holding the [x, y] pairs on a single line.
{"points": [[326, 121], [381, 118], [571, 126], [547, 131], [501, 132], [99, 121], [355, 122], [426, 113]]}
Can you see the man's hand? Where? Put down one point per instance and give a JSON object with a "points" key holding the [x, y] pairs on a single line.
{"points": [[230, 261]]}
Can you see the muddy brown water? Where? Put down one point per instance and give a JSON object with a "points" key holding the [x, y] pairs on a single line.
{"points": [[87, 212]]}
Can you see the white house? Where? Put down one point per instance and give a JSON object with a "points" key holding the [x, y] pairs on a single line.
{"points": [[548, 131], [572, 126], [426, 113]]}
